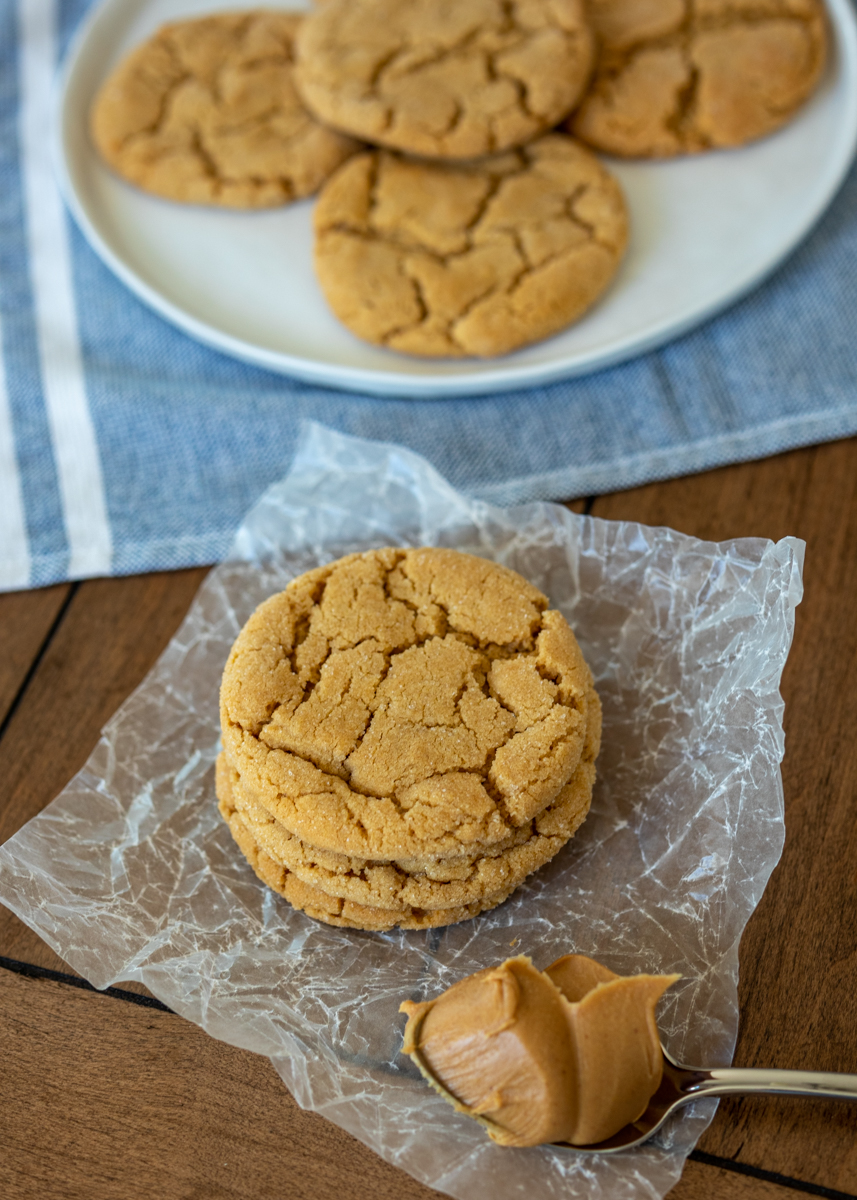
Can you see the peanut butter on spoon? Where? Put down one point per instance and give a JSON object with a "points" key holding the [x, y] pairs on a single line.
{"points": [[569, 1054]]}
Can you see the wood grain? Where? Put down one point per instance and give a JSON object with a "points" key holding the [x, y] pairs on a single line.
{"points": [[26, 619], [139, 1104], [700, 1181], [798, 991]]}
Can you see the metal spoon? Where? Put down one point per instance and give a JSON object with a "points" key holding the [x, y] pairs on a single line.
{"points": [[683, 1085]]}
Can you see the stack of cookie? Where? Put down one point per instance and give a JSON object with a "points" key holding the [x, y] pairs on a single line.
{"points": [[471, 228], [407, 735]]}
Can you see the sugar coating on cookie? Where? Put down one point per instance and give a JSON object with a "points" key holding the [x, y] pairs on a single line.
{"points": [[206, 112], [446, 260], [683, 76], [407, 703], [401, 886], [445, 78]]}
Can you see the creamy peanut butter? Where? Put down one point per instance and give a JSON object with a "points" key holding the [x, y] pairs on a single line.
{"points": [[569, 1054]]}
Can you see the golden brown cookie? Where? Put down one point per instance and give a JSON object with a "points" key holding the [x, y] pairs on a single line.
{"points": [[448, 260], [680, 76], [331, 910], [407, 703], [444, 78], [205, 112], [430, 885]]}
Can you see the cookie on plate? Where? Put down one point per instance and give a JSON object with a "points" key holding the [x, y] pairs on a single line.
{"points": [[682, 76], [205, 112], [407, 704], [444, 78], [448, 260]]}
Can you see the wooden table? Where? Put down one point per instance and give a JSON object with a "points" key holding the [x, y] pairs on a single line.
{"points": [[109, 1095]]}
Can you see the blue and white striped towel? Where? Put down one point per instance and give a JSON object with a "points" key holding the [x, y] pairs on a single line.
{"points": [[125, 446]]}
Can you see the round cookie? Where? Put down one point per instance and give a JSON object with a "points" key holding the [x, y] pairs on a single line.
{"points": [[444, 78], [406, 703], [453, 884], [447, 260], [682, 76], [205, 112], [344, 913]]}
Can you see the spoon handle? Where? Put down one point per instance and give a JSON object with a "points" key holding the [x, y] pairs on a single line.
{"points": [[732, 1081]]}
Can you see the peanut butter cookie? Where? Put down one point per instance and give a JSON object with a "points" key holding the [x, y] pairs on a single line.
{"points": [[468, 259], [680, 76], [333, 911], [407, 703], [444, 78], [444, 883], [205, 112]]}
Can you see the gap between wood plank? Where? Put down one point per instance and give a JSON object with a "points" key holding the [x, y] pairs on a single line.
{"points": [[34, 665], [798, 1185], [30, 971]]}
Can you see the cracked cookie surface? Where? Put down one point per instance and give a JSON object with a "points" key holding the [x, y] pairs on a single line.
{"points": [[430, 885], [444, 78], [407, 703], [206, 112], [446, 260], [683, 76]]}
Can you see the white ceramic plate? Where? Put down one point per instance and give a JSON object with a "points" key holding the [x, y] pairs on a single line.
{"points": [[704, 230]]}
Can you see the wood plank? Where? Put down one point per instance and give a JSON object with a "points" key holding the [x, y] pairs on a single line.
{"points": [[798, 991], [773, 498], [26, 619], [111, 634], [700, 1181], [135, 1103]]}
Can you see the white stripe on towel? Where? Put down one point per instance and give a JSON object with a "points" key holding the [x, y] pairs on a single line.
{"points": [[75, 450], [14, 547]]}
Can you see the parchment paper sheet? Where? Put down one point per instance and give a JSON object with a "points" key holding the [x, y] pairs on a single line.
{"points": [[130, 873]]}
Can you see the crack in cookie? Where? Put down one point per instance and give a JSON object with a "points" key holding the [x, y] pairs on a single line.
{"points": [[468, 259], [444, 78], [684, 76], [206, 112]]}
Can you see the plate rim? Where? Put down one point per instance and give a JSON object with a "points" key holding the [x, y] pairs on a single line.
{"points": [[494, 379]]}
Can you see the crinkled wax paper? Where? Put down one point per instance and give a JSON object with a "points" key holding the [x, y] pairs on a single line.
{"points": [[131, 874]]}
